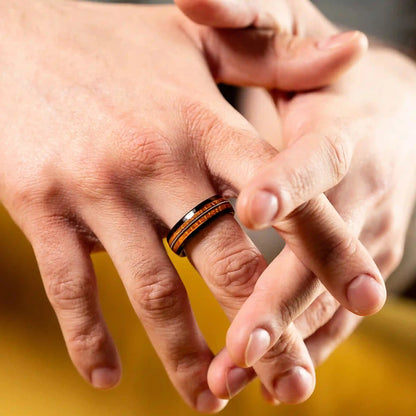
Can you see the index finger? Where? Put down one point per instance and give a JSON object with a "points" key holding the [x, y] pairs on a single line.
{"points": [[313, 230], [324, 244]]}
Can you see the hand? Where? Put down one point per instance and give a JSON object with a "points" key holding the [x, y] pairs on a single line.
{"points": [[112, 127], [248, 340], [376, 125]]}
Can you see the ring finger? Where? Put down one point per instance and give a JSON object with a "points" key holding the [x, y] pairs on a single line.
{"points": [[159, 299]]}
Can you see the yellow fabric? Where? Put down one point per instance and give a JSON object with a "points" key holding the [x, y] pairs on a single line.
{"points": [[374, 373]]}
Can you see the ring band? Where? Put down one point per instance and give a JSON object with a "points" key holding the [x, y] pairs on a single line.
{"points": [[196, 219]]}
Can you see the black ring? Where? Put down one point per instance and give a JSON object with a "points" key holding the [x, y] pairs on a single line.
{"points": [[196, 219]]}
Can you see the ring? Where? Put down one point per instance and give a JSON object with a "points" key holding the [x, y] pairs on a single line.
{"points": [[196, 219]]}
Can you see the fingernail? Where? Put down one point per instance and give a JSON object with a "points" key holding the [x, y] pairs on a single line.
{"points": [[295, 386], [257, 346], [105, 378], [206, 402], [337, 40], [237, 379], [263, 209], [365, 295]]}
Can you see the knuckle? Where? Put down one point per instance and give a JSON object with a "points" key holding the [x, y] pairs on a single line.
{"points": [[136, 153], [284, 347], [392, 259], [338, 155], [323, 309], [288, 310], [212, 129], [158, 297], [23, 195], [69, 294], [93, 340], [38, 191], [92, 179], [300, 183], [199, 120], [144, 150], [390, 223], [340, 252], [186, 362], [206, 128], [236, 272], [380, 182]]}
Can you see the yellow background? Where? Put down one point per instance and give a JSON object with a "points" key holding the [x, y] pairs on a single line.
{"points": [[373, 373]]}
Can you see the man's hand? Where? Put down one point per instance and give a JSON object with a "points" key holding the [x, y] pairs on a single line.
{"points": [[112, 127], [371, 112], [311, 167]]}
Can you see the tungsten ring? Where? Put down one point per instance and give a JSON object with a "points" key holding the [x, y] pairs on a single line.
{"points": [[196, 219]]}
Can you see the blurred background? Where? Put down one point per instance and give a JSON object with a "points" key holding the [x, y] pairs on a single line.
{"points": [[374, 372]]}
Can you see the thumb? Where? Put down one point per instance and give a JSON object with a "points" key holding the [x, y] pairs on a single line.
{"points": [[252, 57], [285, 44]]}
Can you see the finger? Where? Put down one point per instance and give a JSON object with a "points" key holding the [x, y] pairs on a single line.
{"points": [[316, 234], [70, 284], [328, 247], [225, 379], [160, 301], [236, 14], [279, 14], [274, 303], [267, 59], [316, 161], [317, 315], [220, 250], [231, 266], [322, 343], [342, 269], [286, 371], [327, 338]]}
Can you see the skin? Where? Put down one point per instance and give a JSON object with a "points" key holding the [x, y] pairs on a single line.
{"points": [[96, 154], [372, 129], [382, 177]]}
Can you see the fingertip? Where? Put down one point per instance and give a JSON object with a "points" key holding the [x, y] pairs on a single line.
{"points": [[295, 386], [225, 379], [362, 42], [105, 378], [237, 379], [366, 295], [343, 50], [341, 40], [206, 402], [257, 209], [242, 207]]}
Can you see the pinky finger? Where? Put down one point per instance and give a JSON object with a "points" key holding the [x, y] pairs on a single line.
{"points": [[70, 284]]}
